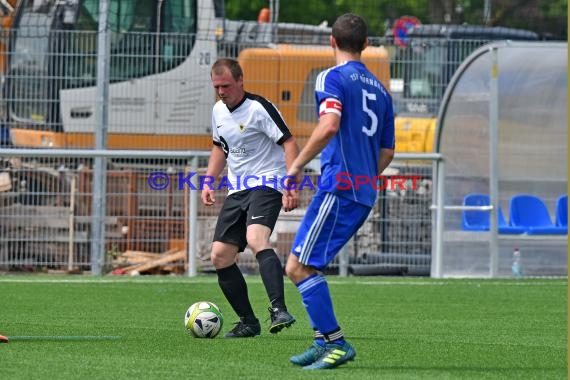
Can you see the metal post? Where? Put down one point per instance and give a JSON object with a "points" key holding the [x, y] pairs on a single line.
{"points": [[437, 256], [193, 220], [487, 12], [100, 163], [493, 163], [433, 209], [274, 19], [343, 261]]}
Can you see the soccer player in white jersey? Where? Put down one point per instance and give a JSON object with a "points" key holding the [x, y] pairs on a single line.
{"points": [[251, 137], [355, 136]]}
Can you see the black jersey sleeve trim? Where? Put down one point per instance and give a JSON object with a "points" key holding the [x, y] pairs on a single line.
{"points": [[217, 143], [284, 138], [274, 114]]}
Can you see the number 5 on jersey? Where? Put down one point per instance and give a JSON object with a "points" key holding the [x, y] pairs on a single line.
{"points": [[373, 118]]}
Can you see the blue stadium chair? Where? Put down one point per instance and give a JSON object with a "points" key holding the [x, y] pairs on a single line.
{"points": [[530, 212], [480, 221], [475, 220], [506, 228], [562, 211]]}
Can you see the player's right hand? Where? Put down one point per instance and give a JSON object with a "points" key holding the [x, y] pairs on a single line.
{"points": [[208, 197]]}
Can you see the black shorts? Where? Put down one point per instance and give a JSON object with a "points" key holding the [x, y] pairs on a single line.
{"points": [[255, 206]]}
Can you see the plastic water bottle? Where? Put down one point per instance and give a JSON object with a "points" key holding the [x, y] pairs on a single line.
{"points": [[517, 266]]}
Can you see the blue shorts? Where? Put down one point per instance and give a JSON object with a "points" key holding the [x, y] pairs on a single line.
{"points": [[328, 225]]}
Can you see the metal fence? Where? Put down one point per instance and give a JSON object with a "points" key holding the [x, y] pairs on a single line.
{"points": [[161, 97], [158, 103], [51, 203], [155, 224]]}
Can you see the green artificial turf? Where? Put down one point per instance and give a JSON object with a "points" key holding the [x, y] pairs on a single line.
{"points": [[78, 327]]}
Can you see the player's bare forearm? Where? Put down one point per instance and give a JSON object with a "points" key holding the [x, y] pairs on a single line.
{"points": [[328, 126], [386, 156], [290, 197], [291, 150], [217, 162]]}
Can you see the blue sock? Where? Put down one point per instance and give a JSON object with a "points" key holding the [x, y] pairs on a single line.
{"points": [[321, 342], [317, 301], [340, 341], [319, 338]]}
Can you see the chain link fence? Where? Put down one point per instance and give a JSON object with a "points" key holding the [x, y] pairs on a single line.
{"points": [[149, 89], [47, 226]]}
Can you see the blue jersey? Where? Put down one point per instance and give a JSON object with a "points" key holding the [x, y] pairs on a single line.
{"points": [[349, 163]]}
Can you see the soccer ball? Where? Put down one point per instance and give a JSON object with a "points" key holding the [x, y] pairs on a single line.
{"points": [[203, 320]]}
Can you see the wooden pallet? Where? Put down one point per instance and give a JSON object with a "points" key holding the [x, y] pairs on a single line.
{"points": [[138, 262]]}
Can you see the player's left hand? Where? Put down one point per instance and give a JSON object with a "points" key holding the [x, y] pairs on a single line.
{"points": [[290, 191], [290, 201]]}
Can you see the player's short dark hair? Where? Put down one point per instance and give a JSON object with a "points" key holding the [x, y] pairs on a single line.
{"points": [[232, 64], [350, 32]]}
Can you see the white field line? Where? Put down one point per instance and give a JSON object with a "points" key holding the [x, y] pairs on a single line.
{"points": [[63, 338], [559, 281]]}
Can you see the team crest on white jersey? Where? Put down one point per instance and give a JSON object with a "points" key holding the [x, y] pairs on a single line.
{"points": [[242, 128]]}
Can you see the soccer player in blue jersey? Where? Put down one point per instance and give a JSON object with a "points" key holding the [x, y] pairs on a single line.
{"points": [[355, 136]]}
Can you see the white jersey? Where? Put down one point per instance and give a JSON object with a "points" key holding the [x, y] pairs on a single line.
{"points": [[251, 135]]}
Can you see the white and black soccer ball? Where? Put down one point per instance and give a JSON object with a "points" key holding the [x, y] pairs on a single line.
{"points": [[203, 320]]}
